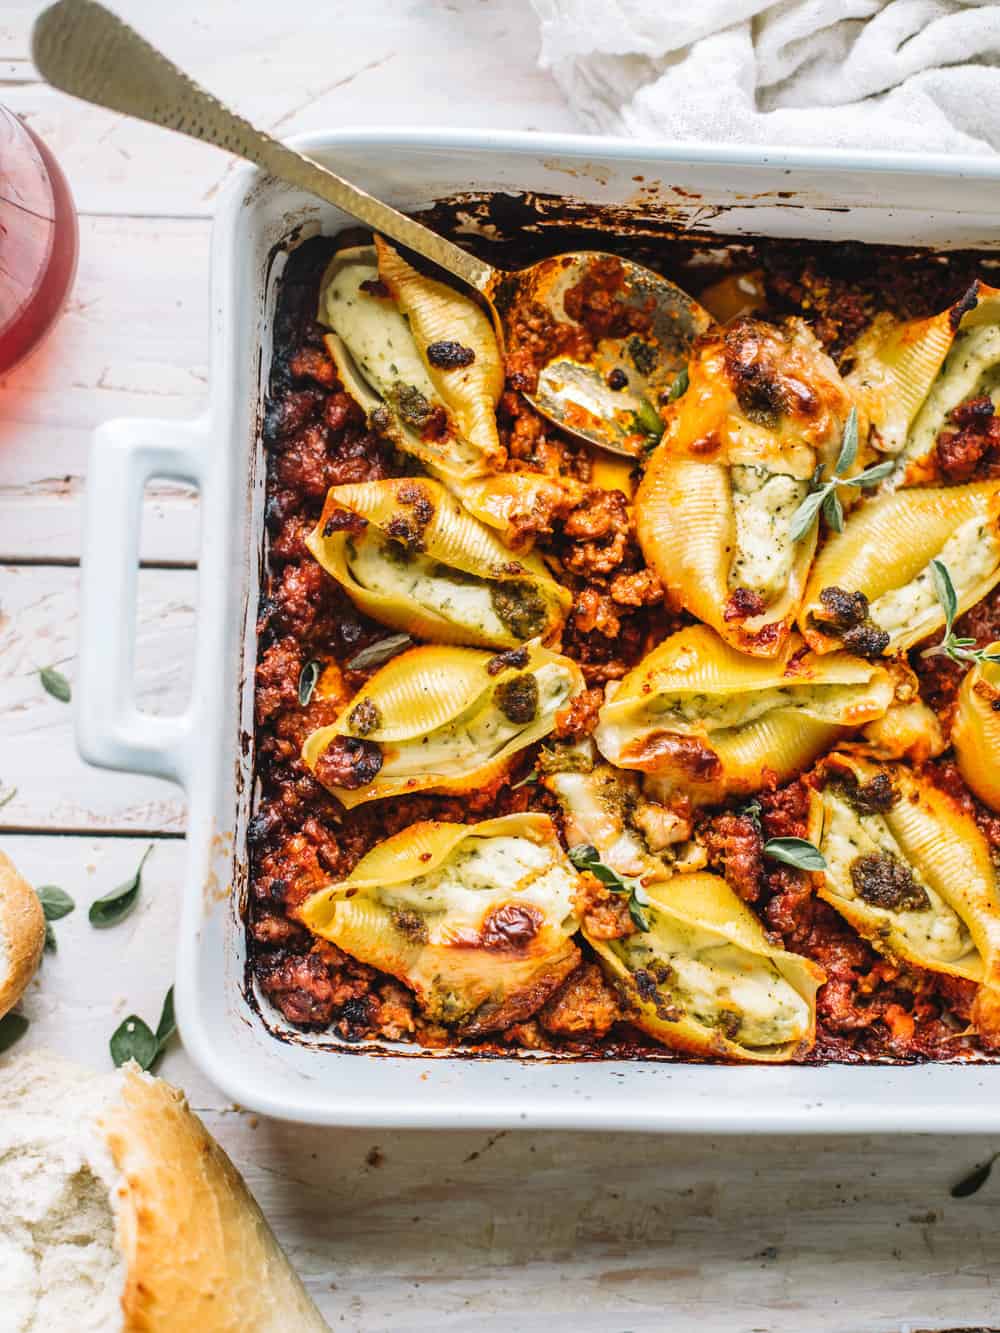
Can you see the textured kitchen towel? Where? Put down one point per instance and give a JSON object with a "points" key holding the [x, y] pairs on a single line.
{"points": [[916, 75]]}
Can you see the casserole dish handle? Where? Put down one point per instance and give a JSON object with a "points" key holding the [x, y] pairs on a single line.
{"points": [[111, 731]]}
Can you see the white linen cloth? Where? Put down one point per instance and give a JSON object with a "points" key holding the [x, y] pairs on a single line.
{"points": [[917, 75]]}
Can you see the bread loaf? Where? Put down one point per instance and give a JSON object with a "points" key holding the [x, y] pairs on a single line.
{"points": [[119, 1213], [22, 934]]}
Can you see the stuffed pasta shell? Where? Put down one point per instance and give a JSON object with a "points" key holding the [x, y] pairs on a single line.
{"points": [[420, 358], [911, 377], [872, 587], [906, 867], [408, 554], [441, 719], [764, 408], [514, 502], [477, 919], [705, 978], [606, 808], [700, 718], [975, 732], [908, 730]]}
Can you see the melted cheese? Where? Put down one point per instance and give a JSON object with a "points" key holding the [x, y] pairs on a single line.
{"points": [[763, 505], [718, 984], [477, 736], [971, 553], [937, 932], [380, 567], [481, 871]]}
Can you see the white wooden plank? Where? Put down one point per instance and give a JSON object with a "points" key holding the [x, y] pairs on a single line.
{"points": [[398, 62], [132, 342], [420, 1232], [96, 977], [39, 622]]}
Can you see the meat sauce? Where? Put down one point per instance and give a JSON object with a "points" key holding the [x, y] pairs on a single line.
{"points": [[300, 837]]}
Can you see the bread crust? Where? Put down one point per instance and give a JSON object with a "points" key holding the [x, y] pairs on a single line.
{"points": [[198, 1252], [22, 926]]}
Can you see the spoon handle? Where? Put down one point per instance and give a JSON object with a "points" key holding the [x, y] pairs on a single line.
{"points": [[84, 49]]}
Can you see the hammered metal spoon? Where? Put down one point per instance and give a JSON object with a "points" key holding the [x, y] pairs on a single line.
{"points": [[607, 393]]}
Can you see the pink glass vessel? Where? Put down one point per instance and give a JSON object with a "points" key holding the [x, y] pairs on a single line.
{"points": [[38, 240]]}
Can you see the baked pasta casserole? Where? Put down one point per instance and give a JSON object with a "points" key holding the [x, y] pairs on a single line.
{"points": [[692, 755]]}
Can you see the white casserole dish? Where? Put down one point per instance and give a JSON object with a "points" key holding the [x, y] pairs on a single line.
{"points": [[893, 198]]}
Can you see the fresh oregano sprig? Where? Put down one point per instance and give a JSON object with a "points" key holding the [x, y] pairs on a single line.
{"points": [[586, 857], [953, 645], [823, 494]]}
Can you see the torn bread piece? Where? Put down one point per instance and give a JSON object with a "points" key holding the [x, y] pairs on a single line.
{"points": [[123, 1215]]}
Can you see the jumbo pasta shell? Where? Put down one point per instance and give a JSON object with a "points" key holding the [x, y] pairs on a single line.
{"points": [[699, 717], [516, 504], [706, 980], [439, 315], [975, 732], [416, 560], [447, 455], [477, 919], [764, 412], [382, 366], [906, 867], [911, 375], [686, 526], [605, 808], [885, 551], [908, 730], [895, 365], [441, 719]]}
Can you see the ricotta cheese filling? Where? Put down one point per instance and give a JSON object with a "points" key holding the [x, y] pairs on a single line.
{"points": [[971, 367], [500, 867], [828, 703], [479, 734], [377, 336], [763, 505], [717, 983], [937, 932], [382, 568], [971, 554]]}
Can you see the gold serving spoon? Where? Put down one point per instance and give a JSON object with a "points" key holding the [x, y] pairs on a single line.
{"points": [[607, 394]]}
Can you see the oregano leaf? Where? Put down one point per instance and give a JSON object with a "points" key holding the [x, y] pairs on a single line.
{"points": [[167, 1025], [308, 677], [946, 595], [12, 1028], [974, 1181], [56, 902], [848, 445], [833, 511], [379, 652], [132, 1040], [56, 684], [119, 903], [797, 852], [805, 516]]}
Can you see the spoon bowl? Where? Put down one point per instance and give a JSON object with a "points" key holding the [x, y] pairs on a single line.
{"points": [[613, 335]]}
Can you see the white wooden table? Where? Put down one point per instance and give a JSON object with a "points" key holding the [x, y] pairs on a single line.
{"points": [[400, 1231]]}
